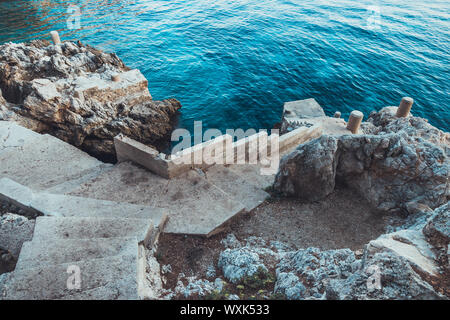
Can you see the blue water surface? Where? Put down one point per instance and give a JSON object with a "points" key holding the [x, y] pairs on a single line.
{"points": [[233, 64]]}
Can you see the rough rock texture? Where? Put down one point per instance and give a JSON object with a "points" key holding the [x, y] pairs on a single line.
{"points": [[313, 269], [408, 264], [239, 263], [14, 231], [403, 161], [66, 90]]}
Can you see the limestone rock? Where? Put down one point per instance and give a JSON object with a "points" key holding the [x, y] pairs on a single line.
{"points": [[66, 90], [397, 280], [237, 264], [315, 177], [406, 161], [14, 231], [313, 269]]}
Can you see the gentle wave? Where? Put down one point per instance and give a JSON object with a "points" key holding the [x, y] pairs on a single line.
{"points": [[232, 64]]}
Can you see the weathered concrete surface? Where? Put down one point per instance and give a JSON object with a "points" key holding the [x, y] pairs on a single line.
{"points": [[46, 162], [54, 229], [252, 174], [236, 186], [47, 282], [130, 150], [58, 205], [14, 231], [46, 252], [308, 113], [67, 90], [13, 136], [194, 205], [301, 109]]}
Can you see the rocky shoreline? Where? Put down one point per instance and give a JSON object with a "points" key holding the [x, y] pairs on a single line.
{"points": [[81, 95], [399, 166]]}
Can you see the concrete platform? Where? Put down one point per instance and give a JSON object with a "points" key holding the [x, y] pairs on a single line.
{"points": [[237, 186], [36, 253], [302, 109], [13, 136], [69, 206], [55, 229], [114, 275], [46, 162], [252, 174], [195, 206]]}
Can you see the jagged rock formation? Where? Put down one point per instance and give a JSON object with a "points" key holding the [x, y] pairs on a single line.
{"points": [[67, 90], [14, 231], [404, 163], [409, 264]]}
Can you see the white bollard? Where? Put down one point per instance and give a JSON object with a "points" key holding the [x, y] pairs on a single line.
{"points": [[354, 121], [405, 107], [337, 114], [55, 37]]}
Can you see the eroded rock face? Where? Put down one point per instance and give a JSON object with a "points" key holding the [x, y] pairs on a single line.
{"points": [[67, 90], [14, 231], [405, 160]]}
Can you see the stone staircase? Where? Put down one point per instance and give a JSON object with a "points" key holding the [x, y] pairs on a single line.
{"points": [[99, 217]]}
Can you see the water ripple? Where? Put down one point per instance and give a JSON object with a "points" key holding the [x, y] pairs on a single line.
{"points": [[233, 63]]}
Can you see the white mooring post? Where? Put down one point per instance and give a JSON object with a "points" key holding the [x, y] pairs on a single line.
{"points": [[405, 107], [55, 37], [337, 114], [354, 121]]}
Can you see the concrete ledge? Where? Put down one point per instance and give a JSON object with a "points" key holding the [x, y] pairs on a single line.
{"points": [[246, 150], [221, 150], [56, 205], [298, 136], [201, 156], [131, 150]]}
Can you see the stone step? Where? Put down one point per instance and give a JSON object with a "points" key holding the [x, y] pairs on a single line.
{"points": [[59, 205], [237, 186], [106, 278], [194, 205], [36, 253], [42, 162], [252, 174], [13, 136], [54, 229]]}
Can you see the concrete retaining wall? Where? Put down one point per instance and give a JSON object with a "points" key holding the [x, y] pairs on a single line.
{"points": [[221, 150]]}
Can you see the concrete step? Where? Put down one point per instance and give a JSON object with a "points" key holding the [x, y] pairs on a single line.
{"points": [[54, 229], [194, 205], [106, 278], [58, 205], [237, 186], [13, 136], [252, 174], [36, 253], [43, 162]]}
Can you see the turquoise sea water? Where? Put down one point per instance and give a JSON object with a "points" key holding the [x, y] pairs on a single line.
{"points": [[232, 64]]}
